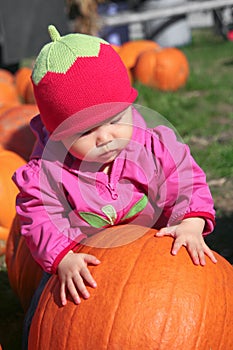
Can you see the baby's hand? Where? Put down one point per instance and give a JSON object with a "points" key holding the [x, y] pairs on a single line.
{"points": [[72, 272], [189, 234]]}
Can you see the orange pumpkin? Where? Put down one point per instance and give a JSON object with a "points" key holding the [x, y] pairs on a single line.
{"points": [[116, 47], [9, 162], [6, 107], [130, 51], [22, 79], [29, 96], [24, 273], [166, 69], [15, 132], [130, 75], [145, 299], [8, 93], [6, 75]]}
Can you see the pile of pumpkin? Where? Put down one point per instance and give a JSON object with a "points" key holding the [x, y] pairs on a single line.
{"points": [[17, 107], [166, 69]]}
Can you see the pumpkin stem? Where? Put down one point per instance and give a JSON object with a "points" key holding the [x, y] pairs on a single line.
{"points": [[53, 32]]}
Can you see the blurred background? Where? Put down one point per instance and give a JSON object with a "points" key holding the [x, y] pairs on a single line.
{"points": [[23, 25]]}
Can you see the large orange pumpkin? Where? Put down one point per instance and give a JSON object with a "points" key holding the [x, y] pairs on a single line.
{"points": [[9, 162], [145, 299], [130, 50], [166, 69], [24, 273], [15, 133]]}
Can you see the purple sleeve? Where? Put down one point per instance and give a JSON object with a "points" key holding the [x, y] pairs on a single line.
{"points": [[44, 216], [183, 190]]}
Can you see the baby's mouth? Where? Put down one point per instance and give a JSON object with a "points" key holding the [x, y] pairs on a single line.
{"points": [[107, 151]]}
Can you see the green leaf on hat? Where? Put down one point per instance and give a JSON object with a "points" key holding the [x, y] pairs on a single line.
{"points": [[59, 55]]}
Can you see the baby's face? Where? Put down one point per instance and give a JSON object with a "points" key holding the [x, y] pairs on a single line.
{"points": [[103, 143]]}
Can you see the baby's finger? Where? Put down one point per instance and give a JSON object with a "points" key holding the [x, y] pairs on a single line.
{"points": [[73, 291], [194, 256], [197, 254], [177, 244], [85, 273], [91, 259], [201, 256], [80, 285], [63, 294], [210, 254], [166, 231]]}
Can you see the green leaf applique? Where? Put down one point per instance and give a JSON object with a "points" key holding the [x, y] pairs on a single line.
{"points": [[97, 221], [110, 212], [94, 220], [138, 206]]}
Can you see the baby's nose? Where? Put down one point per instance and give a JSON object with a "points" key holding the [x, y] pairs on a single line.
{"points": [[104, 135]]}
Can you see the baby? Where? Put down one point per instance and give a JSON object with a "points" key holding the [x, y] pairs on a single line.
{"points": [[97, 164]]}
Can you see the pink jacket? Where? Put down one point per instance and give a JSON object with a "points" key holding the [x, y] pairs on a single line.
{"points": [[154, 182]]}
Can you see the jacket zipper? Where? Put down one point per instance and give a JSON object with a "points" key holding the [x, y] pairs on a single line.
{"points": [[112, 191]]}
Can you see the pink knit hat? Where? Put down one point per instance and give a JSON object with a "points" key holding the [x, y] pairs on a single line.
{"points": [[79, 81]]}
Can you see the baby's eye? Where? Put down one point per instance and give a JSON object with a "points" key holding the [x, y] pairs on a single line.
{"points": [[115, 121], [86, 133]]}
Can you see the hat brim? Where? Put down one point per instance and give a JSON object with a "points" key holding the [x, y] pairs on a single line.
{"points": [[90, 117]]}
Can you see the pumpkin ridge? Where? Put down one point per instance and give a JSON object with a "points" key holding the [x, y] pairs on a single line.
{"points": [[69, 328], [100, 253], [223, 331], [39, 317], [53, 284], [163, 331], [117, 306], [39, 339], [51, 329], [138, 257], [225, 278], [201, 323]]}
